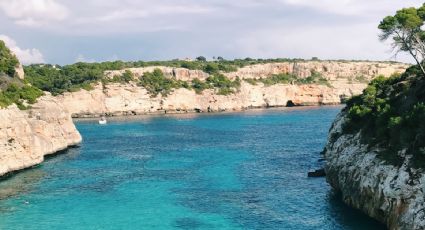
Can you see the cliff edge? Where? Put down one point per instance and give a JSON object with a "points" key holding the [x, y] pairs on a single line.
{"points": [[375, 151], [30, 126], [26, 136], [341, 80]]}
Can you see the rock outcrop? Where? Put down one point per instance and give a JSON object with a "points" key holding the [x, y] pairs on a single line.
{"points": [[130, 99], [19, 72], [177, 73], [27, 136], [391, 194], [346, 79]]}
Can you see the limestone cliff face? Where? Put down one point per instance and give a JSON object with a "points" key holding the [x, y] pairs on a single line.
{"points": [[346, 79], [331, 70], [334, 71], [19, 71], [130, 99], [177, 73], [27, 136], [393, 195]]}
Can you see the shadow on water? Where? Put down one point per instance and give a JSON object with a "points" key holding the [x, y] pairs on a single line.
{"points": [[348, 216], [23, 181]]}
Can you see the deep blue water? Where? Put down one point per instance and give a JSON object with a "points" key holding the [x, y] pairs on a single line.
{"points": [[224, 171]]}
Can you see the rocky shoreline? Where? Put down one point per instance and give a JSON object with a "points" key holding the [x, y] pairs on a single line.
{"points": [[390, 194], [27, 136]]}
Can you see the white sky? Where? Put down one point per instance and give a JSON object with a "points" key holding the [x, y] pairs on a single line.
{"points": [[66, 31]]}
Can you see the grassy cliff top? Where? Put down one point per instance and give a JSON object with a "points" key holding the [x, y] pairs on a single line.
{"points": [[390, 114], [12, 89]]}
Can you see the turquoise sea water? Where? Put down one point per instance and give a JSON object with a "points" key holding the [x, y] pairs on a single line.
{"points": [[223, 171]]}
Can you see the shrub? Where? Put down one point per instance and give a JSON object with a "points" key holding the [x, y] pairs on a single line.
{"points": [[156, 83], [391, 114], [199, 85], [19, 95], [8, 61]]}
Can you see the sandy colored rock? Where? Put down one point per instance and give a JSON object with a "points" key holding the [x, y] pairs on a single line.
{"points": [[25, 140], [130, 99], [19, 72], [346, 79]]}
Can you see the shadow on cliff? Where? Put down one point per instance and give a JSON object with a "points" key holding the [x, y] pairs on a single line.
{"points": [[347, 216]]}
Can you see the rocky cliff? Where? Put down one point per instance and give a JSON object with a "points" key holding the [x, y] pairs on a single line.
{"points": [[27, 136], [391, 194], [130, 99], [346, 79]]}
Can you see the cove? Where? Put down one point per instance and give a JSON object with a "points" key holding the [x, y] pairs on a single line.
{"points": [[245, 170]]}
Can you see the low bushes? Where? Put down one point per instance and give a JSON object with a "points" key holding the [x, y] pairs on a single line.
{"points": [[19, 95], [391, 114]]}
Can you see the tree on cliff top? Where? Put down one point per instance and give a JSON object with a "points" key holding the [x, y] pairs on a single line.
{"points": [[8, 61], [405, 30]]}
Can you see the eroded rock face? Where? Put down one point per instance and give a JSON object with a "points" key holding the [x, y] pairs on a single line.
{"points": [[19, 72], [331, 70], [27, 136], [345, 78], [130, 99], [393, 195], [177, 73]]}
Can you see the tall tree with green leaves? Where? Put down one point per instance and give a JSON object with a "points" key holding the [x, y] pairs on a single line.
{"points": [[405, 30]]}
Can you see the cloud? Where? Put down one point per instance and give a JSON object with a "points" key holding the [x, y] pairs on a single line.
{"points": [[34, 12], [351, 7], [82, 58], [165, 29], [25, 56]]}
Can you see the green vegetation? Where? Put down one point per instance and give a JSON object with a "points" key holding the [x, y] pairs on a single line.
{"points": [[126, 77], [12, 89], [69, 78], [8, 61], [391, 114], [224, 85], [405, 30], [156, 83], [19, 95], [314, 78], [59, 79]]}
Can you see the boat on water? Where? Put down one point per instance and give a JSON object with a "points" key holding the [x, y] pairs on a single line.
{"points": [[103, 121]]}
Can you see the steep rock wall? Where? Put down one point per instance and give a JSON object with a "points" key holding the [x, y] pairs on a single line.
{"points": [[27, 136], [393, 195], [345, 78], [128, 99]]}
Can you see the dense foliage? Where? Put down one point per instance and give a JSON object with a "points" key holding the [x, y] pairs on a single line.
{"points": [[156, 83], [58, 79], [8, 61], [62, 79], [405, 29], [391, 114], [20, 95], [314, 78]]}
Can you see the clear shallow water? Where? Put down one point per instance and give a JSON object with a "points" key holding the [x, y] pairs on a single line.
{"points": [[224, 171]]}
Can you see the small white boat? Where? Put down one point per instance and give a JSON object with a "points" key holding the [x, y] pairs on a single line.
{"points": [[102, 121]]}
